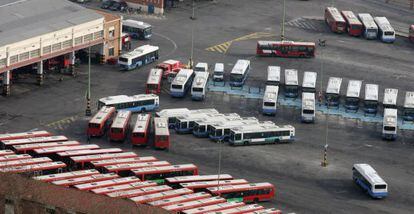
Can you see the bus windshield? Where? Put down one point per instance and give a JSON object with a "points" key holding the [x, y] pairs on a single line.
{"points": [[122, 59], [152, 86], [291, 89], [236, 77], [352, 101], [371, 104], [269, 104], [198, 89], [389, 33], [380, 186], [409, 112], [177, 86], [389, 128], [308, 111], [333, 97], [147, 31]]}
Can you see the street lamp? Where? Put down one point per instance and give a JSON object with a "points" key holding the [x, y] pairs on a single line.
{"points": [[88, 111]]}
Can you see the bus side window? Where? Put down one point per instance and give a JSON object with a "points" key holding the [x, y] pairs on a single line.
{"points": [[238, 136]]}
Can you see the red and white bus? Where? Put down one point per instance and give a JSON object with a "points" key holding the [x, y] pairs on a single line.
{"points": [[14, 136], [25, 148], [6, 152], [120, 126], [194, 204], [100, 122], [153, 85], [9, 143], [69, 154], [162, 133], [87, 179], [335, 20], [161, 195], [139, 192], [160, 173], [83, 161], [115, 161], [54, 150], [203, 185], [13, 157], [252, 192], [140, 133], [107, 183], [240, 210], [66, 175], [266, 211], [215, 207], [125, 169], [41, 168], [170, 68], [123, 187], [24, 162], [176, 181], [285, 49], [353, 25], [411, 33], [180, 199]]}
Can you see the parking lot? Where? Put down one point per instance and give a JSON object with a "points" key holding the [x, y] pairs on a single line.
{"points": [[225, 31]]}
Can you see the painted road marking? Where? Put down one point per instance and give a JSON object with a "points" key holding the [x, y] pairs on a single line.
{"points": [[61, 124], [223, 47]]}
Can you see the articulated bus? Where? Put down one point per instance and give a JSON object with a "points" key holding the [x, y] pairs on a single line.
{"points": [[291, 83], [352, 95], [286, 49], [353, 25], [252, 192], [214, 207], [411, 34], [23, 162], [308, 107], [176, 181], [101, 163], [221, 131], [87, 179], [179, 199], [160, 196], [389, 124], [408, 113], [185, 124], [203, 185], [261, 134], [200, 126], [269, 105], [199, 87], [178, 208], [99, 123], [370, 29], [87, 160], [8, 144], [239, 73], [66, 175], [52, 151], [335, 20], [138, 192], [153, 85], [369, 180], [273, 75], [390, 98], [141, 130], [27, 148], [124, 169], [135, 103], [172, 114], [161, 133], [67, 155], [386, 32], [309, 81], [106, 183], [371, 99], [158, 174], [182, 83], [14, 136], [240, 210], [120, 126], [141, 56], [333, 96], [137, 29]]}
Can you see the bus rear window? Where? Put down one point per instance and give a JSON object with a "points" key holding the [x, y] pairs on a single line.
{"points": [[116, 130], [198, 89], [389, 128], [381, 186], [269, 104], [138, 134], [356, 27], [176, 86], [388, 33], [121, 59], [94, 125], [307, 111]]}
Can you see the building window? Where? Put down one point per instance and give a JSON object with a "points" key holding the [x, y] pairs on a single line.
{"points": [[56, 47], [35, 53], [78, 40], [24, 56], [47, 49], [111, 51], [98, 35], [67, 44], [87, 38], [111, 33], [14, 59], [3, 62]]}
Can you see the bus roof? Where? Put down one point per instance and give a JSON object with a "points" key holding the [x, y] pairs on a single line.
{"points": [[369, 173], [200, 80], [161, 126], [286, 43], [197, 116], [262, 127], [182, 76], [121, 119], [173, 112], [135, 23], [230, 124], [218, 118], [180, 199], [383, 23], [161, 195], [308, 100], [12, 136], [371, 92], [390, 96], [34, 140], [237, 210], [350, 17], [125, 99], [138, 192], [335, 14], [137, 165], [103, 156], [193, 178], [266, 211], [154, 76], [409, 99], [309, 79], [241, 187], [66, 175], [89, 152], [13, 156], [114, 161], [102, 114], [127, 186], [193, 204], [241, 66], [57, 149], [86, 179], [205, 184], [367, 20], [214, 207], [34, 167], [354, 88], [142, 123], [161, 169], [273, 73], [28, 147], [112, 182], [291, 77], [24, 162], [140, 51], [390, 117], [334, 85], [271, 93]]}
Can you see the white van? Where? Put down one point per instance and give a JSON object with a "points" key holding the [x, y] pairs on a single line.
{"points": [[218, 72]]}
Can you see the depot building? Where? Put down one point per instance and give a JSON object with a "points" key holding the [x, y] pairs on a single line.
{"points": [[46, 33]]}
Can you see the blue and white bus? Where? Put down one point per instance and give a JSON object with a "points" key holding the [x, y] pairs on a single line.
{"points": [[199, 87], [390, 98], [308, 107], [352, 95], [370, 30], [389, 124], [261, 134], [182, 83], [185, 124], [269, 106], [141, 56], [273, 75], [333, 96], [239, 72], [135, 103], [386, 32], [200, 128], [291, 83], [309, 81], [371, 99], [171, 115], [137, 29], [369, 180], [221, 131], [408, 114]]}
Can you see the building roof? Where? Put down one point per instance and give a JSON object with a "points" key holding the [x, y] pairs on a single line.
{"points": [[25, 19]]}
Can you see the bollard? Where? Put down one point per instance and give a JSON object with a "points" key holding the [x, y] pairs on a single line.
{"points": [[324, 162]]}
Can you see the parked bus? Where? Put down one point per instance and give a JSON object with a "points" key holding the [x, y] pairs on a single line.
{"points": [[390, 98], [172, 114], [200, 126], [239, 73], [178, 208], [140, 56], [199, 87], [135, 103], [353, 25], [253, 192], [221, 131], [201, 67], [389, 124], [285, 49], [308, 107], [203, 185], [161, 133], [6, 152], [14, 136], [87, 179], [370, 29], [66, 175], [160, 196], [67, 155], [107, 183], [124, 169], [179, 199], [273, 75], [120, 126], [101, 163], [371, 99], [352, 95], [266, 211], [8, 144], [182, 83], [23, 162], [309, 81], [176, 181], [100, 122], [261, 134], [218, 74], [141, 130], [158, 174], [87, 160], [12, 157], [214, 207], [137, 29], [153, 85], [269, 106], [123, 187], [240, 210], [333, 96], [335, 20], [291, 83], [25, 148], [411, 34], [386, 32], [408, 114], [369, 180], [170, 68], [36, 169], [139, 192], [185, 124]]}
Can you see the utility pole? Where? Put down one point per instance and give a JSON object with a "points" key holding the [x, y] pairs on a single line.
{"points": [[219, 164], [190, 61], [88, 111], [282, 34], [324, 162]]}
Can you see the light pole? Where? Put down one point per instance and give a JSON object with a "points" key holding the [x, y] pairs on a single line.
{"points": [[193, 15], [88, 111], [282, 34], [324, 163], [219, 164]]}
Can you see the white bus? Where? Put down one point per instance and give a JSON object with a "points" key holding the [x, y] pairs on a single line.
{"points": [[182, 83], [201, 67], [390, 98], [221, 131], [369, 180], [308, 107], [291, 83], [261, 134], [371, 99], [184, 124], [389, 124], [141, 56], [386, 32], [199, 87], [137, 29], [370, 29], [352, 95], [409, 106], [135, 103], [218, 72], [273, 75], [239, 72], [270, 100], [200, 126], [333, 96], [309, 81]]}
